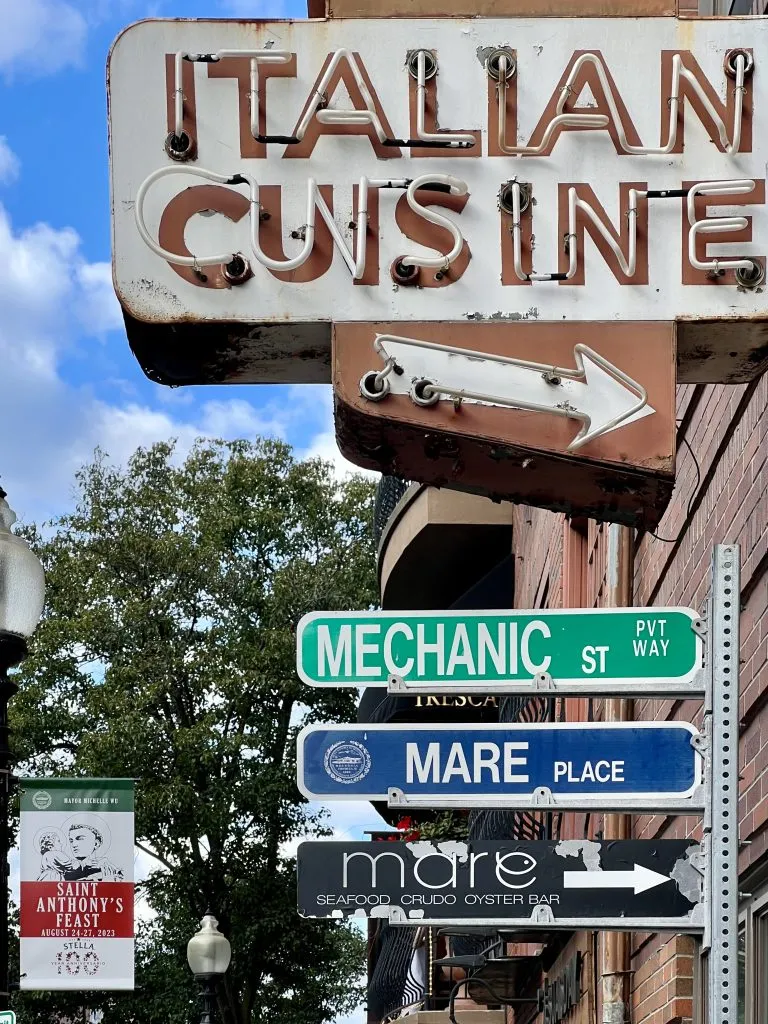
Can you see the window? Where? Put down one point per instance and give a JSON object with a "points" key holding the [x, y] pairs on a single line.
{"points": [[761, 966], [739, 7], [700, 991], [752, 977], [757, 960]]}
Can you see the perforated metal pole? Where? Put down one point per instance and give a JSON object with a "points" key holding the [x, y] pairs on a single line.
{"points": [[723, 817], [615, 961]]}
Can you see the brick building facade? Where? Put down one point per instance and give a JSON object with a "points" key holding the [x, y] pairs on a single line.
{"points": [[721, 495]]}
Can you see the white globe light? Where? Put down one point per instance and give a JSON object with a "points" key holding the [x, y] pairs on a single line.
{"points": [[22, 582], [208, 951]]}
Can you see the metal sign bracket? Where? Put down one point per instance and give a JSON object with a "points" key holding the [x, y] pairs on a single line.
{"points": [[700, 742], [544, 685], [699, 627], [397, 685], [542, 917], [543, 799], [542, 914]]}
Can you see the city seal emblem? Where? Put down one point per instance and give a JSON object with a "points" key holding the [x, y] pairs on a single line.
{"points": [[347, 762]]}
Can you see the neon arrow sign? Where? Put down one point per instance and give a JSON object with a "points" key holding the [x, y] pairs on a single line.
{"points": [[596, 392]]}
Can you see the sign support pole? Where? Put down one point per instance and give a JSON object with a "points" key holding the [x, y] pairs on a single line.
{"points": [[615, 948], [721, 823]]}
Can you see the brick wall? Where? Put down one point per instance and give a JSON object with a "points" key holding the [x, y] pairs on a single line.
{"points": [[539, 559], [727, 428], [721, 495], [662, 985]]}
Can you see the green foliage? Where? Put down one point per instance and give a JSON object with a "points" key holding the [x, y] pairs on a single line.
{"points": [[445, 825], [167, 653]]}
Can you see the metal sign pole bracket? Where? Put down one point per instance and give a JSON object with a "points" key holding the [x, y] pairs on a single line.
{"points": [[542, 799], [722, 711], [396, 684], [700, 627], [545, 685], [542, 917]]}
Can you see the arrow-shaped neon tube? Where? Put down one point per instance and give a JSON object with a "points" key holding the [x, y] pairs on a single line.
{"points": [[640, 879], [595, 392]]}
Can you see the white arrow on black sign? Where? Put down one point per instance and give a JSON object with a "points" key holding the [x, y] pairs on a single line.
{"points": [[595, 392], [640, 879]]}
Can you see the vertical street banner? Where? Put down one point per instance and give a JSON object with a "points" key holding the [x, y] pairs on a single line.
{"points": [[76, 921]]}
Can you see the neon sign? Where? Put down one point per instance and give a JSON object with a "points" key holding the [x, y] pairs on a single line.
{"points": [[396, 169]]}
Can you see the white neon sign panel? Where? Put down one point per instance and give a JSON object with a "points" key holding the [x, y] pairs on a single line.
{"points": [[434, 171]]}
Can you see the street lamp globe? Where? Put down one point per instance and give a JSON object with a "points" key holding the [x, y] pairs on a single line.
{"points": [[208, 951], [22, 584], [22, 593]]}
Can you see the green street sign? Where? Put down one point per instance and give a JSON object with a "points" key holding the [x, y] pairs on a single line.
{"points": [[598, 651], [7, 1017]]}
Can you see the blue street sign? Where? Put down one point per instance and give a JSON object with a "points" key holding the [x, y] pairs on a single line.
{"points": [[642, 765]]}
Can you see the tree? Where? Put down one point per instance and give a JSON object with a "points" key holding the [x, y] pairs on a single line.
{"points": [[167, 653]]}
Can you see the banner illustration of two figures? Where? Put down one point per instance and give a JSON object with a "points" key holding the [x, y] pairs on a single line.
{"points": [[76, 841]]}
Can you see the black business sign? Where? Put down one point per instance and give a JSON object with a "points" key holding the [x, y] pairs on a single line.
{"points": [[558, 996], [628, 884]]}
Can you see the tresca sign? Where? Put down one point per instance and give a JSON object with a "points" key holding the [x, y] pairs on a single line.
{"points": [[560, 995], [580, 650]]}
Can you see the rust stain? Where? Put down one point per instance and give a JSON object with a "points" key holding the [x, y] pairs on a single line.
{"points": [[354, 9], [529, 314]]}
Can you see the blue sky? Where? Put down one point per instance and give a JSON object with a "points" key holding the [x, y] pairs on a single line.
{"points": [[68, 380]]}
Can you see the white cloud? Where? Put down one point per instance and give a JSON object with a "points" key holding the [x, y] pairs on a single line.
{"points": [[357, 1016], [38, 290], [35, 281], [9, 162], [101, 310], [53, 304], [323, 444], [39, 37], [50, 298], [238, 418], [119, 430]]}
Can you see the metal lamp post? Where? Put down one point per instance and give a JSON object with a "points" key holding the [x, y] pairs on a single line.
{"points": [[22, 593], [208, 956]]}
